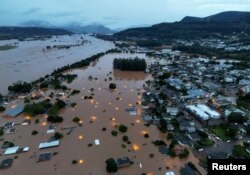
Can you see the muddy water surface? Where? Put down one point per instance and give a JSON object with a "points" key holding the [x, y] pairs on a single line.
{"points": [[105, 110]]}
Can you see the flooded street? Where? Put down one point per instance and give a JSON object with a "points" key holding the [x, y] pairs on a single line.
{"points": [[106, 110], [31, 60]]}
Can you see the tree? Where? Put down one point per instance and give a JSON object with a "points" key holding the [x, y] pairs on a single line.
{"points": [[163, 125], [55, 119], [235, 117], [58, 135], [76, 119], [2, 108], [123, 128], [135, 64], [111, 165], [184, 154], [112, 86], [125, 138], [232, 131]]}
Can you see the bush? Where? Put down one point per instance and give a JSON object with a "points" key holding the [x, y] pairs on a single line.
{"points": [[34, 132], [170, 136], [74, 162], [37, 121], [2, 108], [76, 119], [111, 165], [114, 133], [191, 165], [55, 119], [1, 132], [74, 92], [159, 143], [237, 118], [73, 105], [184, 154], [58, 135], [125, 138], [123, 128], [173, 143], [112, 86], [20, 87]]}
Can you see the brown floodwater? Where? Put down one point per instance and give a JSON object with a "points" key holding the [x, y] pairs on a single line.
{"points": [[105, 110], [30, 60]]}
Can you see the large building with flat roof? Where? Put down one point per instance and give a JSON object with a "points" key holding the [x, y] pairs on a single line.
{"points": [[204, 112]]}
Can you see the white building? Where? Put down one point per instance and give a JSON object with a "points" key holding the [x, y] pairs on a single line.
{"points": [[203, 112]]}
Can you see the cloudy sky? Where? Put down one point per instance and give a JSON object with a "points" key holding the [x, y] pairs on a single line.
{"points": [[112, 13]]}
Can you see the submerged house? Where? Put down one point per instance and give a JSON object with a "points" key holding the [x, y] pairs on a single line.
{"points": [[123, 162], [14, 112]]}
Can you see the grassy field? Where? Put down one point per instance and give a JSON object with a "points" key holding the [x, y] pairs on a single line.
{"points": [[220, 132], [7, 47]]}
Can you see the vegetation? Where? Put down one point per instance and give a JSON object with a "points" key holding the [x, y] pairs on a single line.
{"points": [[125, 138], [43, 107], [146, 135], [58, 135], [173, 143], [111, 165], [170, 136], [114, 133], [198, 49], [37, 108], [244, 101], [76, 119], [55, 119], [184, 154], [240, 151], [112, 86], [225, 131], [74, 92], [163, 125], [135, 64], [191, 165], [34, 132], [7, 144], [237, 118], [74, 162], [2, 108], [7, 47], [159, 143], [123, 128], [20, 87], [1, 132], [21, 33]]}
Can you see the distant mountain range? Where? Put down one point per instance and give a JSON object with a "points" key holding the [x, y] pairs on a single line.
{"points": [[72, 27], [25, 32], [224, 23], [93, 28]]}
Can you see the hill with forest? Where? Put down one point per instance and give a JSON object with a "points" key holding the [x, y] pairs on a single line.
{"points": [[225, 23], [25, 32]]}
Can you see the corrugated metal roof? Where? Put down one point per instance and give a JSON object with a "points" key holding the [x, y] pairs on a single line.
{"points": [[11, 150], [14, 111], [49, 144]]}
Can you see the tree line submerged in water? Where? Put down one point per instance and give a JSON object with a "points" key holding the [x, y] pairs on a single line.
{"points": [[129, 64], [53, 78]]}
